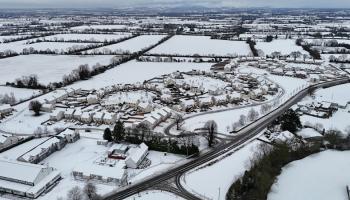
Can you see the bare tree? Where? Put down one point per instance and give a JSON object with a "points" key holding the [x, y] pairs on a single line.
{"points": [[252, 114], [211, 128], [178, 120], [75, 194], [91, 191], [242, 120], [295, 54], [35, 106], [235, 126]]}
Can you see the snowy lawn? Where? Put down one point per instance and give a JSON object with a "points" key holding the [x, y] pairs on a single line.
{"points": [[337, 94], [48, 68], [19, 93], [132, 45], [283, 46], [83, 152], [322, 176], [202, 45], [132, 72], [24, 122], [209, 180]]}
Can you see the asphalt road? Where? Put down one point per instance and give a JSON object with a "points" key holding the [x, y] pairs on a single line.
{"points": [[243, 136]]}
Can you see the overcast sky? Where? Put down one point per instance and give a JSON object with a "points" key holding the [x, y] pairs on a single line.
{"points": [[217, 3]]}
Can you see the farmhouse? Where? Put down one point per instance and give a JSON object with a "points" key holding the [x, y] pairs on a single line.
{"points": [[26, 179]]}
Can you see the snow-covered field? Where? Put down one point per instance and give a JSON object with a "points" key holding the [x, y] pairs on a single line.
{"points": [[48, 68], [99, 27], [42, 46], [337, 94], [2, 38], [218, 177], [323, 176], [131, 45], [202, 45], [19, 93], [93, 37], [132, 72], [283, 46]]}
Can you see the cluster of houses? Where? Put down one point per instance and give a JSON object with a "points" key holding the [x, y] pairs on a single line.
{"points": [[318, 109], [185, 91], [111, 169], [315, 70]]}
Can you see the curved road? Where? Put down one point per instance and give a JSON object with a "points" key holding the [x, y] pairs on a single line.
{"points": [[243, 136]]}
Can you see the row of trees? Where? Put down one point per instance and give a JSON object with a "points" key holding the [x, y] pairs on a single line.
{"points": [[8, 99], [142, 133], [30, 81], [307, 47], [251, 116], [89, 192], [252, 44]]}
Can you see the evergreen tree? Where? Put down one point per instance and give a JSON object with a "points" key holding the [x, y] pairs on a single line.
{"points": [[118, 131], [107, 135], [290, 121]]}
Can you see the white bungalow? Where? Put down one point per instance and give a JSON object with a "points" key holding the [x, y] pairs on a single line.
{"points": [[92, 99], [86, 117], [136, 156], [98, 117], [145, 107], [68, 114], [109, 118], [69, 135], [57, 115], [46, 107], [77, 114]]}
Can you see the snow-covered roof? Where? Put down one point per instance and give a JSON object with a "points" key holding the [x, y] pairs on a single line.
{"points": [[135, 154], [38, 149], [19, 170], [104, 171], [5, 107], [309, 133]]}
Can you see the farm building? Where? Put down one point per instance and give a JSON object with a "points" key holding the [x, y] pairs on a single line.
{"points": [[26, 179]]}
